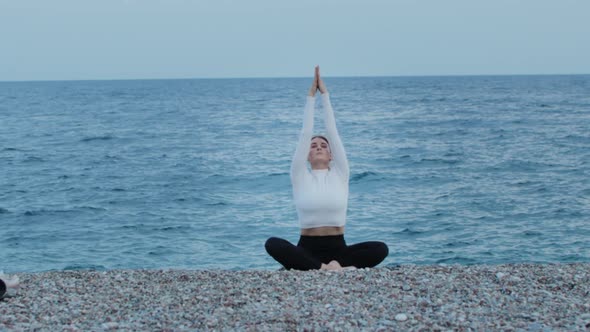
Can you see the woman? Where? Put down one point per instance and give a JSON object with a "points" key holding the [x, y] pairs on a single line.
{"points": [[321, 199]]}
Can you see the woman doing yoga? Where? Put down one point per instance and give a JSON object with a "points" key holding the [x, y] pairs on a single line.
{"points": [[321, 199]]}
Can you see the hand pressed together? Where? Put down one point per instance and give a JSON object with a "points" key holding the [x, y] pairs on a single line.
{"points": [[317, 84]]}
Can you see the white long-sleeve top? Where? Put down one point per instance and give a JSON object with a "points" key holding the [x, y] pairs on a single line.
{"points": [[320, 196]]}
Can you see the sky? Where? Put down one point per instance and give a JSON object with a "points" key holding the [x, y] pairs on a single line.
{"points": [[138, 39]]}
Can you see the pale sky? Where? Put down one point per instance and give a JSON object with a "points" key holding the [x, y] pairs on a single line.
{"points": [[136, 39]]}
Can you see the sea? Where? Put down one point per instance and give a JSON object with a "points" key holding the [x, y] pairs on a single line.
{"points": [[194, 173]]}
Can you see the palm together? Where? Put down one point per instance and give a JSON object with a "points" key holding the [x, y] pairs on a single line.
{"points": [[317, 84]]}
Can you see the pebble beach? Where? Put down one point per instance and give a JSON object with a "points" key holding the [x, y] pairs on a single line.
{"points": [[513, 297]]}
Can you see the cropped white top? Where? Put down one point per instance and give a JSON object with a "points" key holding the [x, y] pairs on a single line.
{"points": [[320, 196]]}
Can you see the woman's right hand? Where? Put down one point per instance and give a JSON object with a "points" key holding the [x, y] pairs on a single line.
{"points": [[314, 85]]}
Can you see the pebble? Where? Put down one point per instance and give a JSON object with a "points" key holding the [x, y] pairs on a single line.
{"points": [[451, 297], [500, 275], [386, 322], [401, 317], [108, 326]]}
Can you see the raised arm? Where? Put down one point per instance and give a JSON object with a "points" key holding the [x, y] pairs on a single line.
{"points": [[340, 162], [299, 162]]}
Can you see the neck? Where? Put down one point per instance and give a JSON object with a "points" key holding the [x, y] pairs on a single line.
{"points": [[320, 167]]}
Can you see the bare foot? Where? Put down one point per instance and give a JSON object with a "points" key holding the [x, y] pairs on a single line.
{"points": [[335, 266], [327, 267], [11, 282], [332, 266]]}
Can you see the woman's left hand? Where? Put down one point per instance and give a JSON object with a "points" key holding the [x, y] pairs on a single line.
{"points": [[321, 84]]}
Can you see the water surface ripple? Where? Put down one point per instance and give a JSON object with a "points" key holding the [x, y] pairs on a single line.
{"points": [[194, 173]]}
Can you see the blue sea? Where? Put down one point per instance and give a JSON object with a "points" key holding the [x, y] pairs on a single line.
{"points": [[194, 174]]}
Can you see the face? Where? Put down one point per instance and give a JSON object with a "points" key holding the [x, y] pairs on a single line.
{"points": [[319, 150]]}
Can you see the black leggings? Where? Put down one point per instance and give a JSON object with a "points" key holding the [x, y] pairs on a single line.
{"points": [[312, 251]]}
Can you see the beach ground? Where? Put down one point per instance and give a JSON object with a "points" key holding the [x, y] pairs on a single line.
{"points": [[528, 297]]}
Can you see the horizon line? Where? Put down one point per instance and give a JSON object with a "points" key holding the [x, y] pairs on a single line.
{"points": [[277, 77]]}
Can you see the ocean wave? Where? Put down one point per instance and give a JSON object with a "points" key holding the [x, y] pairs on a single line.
{"points": [[40, 212], [532, 233], [217, 204], [189, 199], [577, 138], [360, 176], [521, 183], [430, 161], [408, 231], [33, 159], [458, 244], [219, 178], [13, 239], [457, 260], [453, 154], [133, 226], [170, 228], [278, 174], [4, 211], [161, 251], [516, 165], [443, 196], [567, 212], [117, 94], [86, 267], [13, 149], [97, 138], [255, 180], [460, 132], [91, 208]]}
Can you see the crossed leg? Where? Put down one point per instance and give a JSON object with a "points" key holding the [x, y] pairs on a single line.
{"points": [[360, 255], [364, 254], [291, 256]]}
